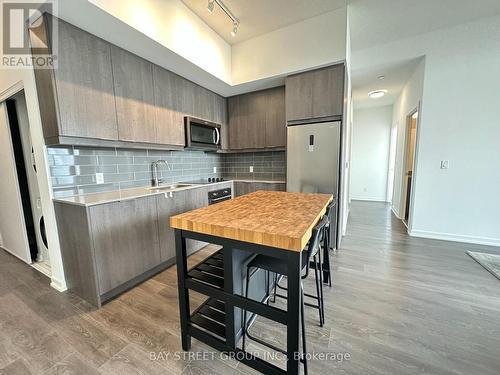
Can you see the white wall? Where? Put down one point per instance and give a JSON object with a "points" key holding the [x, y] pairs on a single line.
{"points": [[370, 153], [172, 24], [25, 78], [345, 157], [315, 42], [460, 123], [408, 100], [169, 34]]}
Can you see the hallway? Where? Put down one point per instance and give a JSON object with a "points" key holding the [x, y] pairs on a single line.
{"points": [[398, 305]]}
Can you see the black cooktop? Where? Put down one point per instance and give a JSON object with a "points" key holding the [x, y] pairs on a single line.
{"points": [[208, 180]]}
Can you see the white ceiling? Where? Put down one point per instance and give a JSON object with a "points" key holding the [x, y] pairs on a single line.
{"points": [[381, 22], [374, 22], [395, 74], [259, 17]]}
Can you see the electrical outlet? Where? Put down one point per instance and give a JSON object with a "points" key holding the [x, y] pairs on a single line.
{"points": [[215, 169], [251, 169], [99, 178], [445, 164]]}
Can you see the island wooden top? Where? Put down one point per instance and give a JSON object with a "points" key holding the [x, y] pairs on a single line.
{"points": [[272, 218]]}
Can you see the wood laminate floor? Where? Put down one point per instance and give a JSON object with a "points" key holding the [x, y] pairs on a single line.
{"points": [[398, 305]]}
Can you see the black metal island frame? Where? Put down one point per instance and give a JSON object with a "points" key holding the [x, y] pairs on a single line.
{"points": [[276, 224]]}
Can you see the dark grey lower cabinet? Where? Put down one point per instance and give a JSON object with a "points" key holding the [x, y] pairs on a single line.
{"points": [[181, 201], [108, 248], [125, 237], [245, 187]]}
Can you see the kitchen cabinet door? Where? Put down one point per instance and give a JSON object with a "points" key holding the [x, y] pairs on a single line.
{"points": [[315, 94], [169, 116], [299, 97], [135, 107], [168, 207], [84, 85], [257, 120], [275, 118], [238, 130], [243, 187], [125, 239], [328, 91], [269, 186]]}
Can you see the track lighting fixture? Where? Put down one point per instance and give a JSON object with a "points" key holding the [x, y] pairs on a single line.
{"points": [[236, 23]]}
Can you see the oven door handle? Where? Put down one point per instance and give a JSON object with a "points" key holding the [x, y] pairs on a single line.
{"points": [[224, 197]]}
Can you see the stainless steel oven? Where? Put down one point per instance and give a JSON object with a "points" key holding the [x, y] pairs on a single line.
{"points": [[217, 196], [201, 134]]}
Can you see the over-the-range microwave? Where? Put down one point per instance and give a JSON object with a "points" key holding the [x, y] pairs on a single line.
{"points": [[201, 134]]}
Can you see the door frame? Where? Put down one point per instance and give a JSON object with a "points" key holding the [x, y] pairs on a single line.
{"points": [[409, 224], [10, 92]]}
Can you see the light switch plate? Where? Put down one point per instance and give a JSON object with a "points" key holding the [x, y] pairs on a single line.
{"points": [[99, 178], [445, 164], [251, 169]]}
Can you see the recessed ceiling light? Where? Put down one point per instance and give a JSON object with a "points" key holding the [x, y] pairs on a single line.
{"points": [[381, 77], [211, 5], [415, 115], [377, 94]]}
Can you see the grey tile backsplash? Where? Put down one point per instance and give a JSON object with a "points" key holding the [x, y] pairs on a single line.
{"points": [[266, 166], [73, 168]]}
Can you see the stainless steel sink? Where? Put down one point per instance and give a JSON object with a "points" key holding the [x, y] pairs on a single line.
{"points": [[170, 186]]}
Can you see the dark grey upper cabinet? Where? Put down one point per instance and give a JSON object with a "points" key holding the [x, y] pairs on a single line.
{"points": [[275, 118], [177, 97], [79, 94], [135, 107], [169, 114], [315, 94], [125, 238], [257, 120], [299, 97], [103, 95]]}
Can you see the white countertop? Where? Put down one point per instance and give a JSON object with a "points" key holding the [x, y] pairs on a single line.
{"points": [[133, 193]]}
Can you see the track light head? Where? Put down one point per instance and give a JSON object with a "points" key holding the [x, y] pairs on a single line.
{"points": [[211, 5], [235, 29]]}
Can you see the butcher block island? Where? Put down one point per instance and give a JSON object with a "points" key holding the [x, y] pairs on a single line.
{"points": [[276, 224]]}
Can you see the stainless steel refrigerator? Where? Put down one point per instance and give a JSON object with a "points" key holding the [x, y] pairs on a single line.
{"points": [[313, 157]]}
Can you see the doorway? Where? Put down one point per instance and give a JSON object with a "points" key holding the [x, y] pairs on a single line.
{"points": [[27, 183], [409, 165]]}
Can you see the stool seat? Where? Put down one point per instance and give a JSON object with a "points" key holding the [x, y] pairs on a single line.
{"points": [[271, 264]]}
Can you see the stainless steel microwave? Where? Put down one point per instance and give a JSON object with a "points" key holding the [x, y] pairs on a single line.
{"points": [[201, 134]]}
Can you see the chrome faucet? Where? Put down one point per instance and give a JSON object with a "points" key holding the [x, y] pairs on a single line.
{"points": [[157, 181]]}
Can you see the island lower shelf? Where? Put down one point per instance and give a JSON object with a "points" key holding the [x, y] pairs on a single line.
{"points": [[208, 275]]}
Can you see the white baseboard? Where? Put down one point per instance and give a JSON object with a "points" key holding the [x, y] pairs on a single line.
{"points": [[455, 237], [58, 285], [368, 199]]}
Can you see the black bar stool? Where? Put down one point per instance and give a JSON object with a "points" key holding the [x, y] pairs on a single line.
{"points": [[278, 267], [327, 245]]}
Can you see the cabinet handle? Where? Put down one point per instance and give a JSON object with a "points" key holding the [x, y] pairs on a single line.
{"points": [[218, 136]]}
